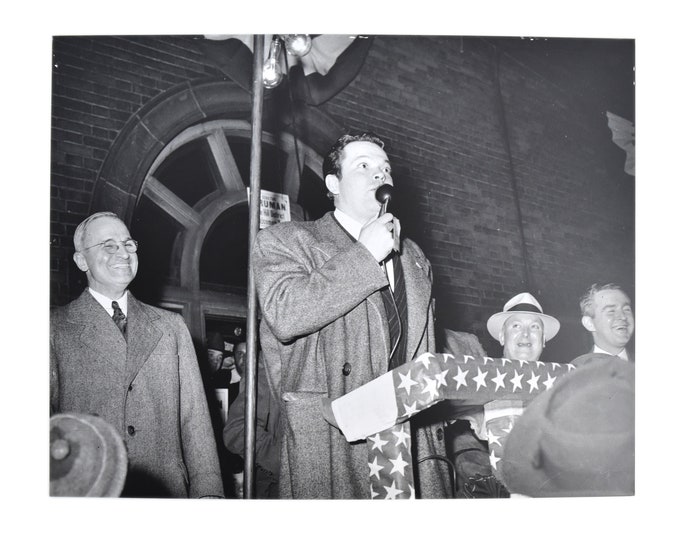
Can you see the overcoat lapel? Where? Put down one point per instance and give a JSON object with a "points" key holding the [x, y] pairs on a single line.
{"points": [[339, 239], [98, 331], [142, 336], [418, 292]]}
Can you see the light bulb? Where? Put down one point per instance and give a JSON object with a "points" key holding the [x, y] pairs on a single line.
{"points": [[272, 74], [298, 44]]}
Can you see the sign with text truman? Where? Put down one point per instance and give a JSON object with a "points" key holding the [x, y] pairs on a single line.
{"points": [[274, 208]]}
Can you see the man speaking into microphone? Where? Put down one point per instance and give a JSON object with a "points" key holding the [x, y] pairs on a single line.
{"points": [[344, 299]]}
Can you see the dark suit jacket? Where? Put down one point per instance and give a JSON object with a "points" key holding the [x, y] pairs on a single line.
{"points": [[324, 333], [149, 389]]}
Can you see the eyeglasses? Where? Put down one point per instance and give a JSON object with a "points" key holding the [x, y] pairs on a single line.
{"points": [[111, 246]]}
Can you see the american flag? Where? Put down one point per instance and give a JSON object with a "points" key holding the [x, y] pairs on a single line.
{"points": [[378, 410]]}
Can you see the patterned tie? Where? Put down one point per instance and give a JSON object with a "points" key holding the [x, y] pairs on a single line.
{"points": [[397, 314], [119, 317]]}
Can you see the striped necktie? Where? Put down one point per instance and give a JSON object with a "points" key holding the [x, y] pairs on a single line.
{"points": [[119, 317], [397, 314]]}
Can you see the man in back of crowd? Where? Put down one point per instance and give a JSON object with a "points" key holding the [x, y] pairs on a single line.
{"points": [[607, 314], [523, 330]]}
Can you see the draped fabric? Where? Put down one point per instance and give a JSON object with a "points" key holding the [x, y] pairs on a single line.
{"points": [[377, 411]]}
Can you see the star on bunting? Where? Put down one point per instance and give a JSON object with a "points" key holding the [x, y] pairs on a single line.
{"points": [[549, 382], [425, 360], [399, 465], [410, 409], [430, 386], [480, 378], [377, 442], [493, 439], [441, 378], [493, 459], [499, 379], [407, 382], [392, 491], [460, 378], [375, 468], [402, 437], [533, 382], [517, 381]]}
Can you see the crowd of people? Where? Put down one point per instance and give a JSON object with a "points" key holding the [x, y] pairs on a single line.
{"points": [[344, 300]]}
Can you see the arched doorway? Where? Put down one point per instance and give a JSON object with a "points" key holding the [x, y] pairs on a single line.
{"points": [[178, 174]]}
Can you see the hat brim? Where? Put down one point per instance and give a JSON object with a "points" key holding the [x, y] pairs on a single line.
{"points": [[495, 323]]}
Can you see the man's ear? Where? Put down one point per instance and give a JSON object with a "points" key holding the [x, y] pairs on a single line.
{"points": [[332, 183], [587, 322], [501, 337], [80, 261]]}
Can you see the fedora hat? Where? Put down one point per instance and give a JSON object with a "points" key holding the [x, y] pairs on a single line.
{"points": [[576, 439], [522, 303]]}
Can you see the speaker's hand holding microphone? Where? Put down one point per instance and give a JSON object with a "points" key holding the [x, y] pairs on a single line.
{"points": [[381, 235]]}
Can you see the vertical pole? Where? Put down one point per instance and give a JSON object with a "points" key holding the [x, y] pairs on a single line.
{"points": [[253, 228]]}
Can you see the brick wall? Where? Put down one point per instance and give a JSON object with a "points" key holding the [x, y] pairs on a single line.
{"points": [[435, 101], [98, 84]]}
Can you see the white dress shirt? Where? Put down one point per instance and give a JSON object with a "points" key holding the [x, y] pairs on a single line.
{"points": [[105, 301], [621, 354]]}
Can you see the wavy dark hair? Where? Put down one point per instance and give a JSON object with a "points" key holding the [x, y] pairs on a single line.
{"points": [[331, 163]]}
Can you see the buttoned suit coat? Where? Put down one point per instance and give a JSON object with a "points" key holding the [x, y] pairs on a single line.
{"points": [[324, 333], [149, 388]]}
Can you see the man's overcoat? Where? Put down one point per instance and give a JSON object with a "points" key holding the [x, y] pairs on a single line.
{"points": [[324, 333], [149, 389]]}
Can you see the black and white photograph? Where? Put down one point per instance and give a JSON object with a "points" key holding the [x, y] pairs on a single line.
{"points": [[290, 270]]}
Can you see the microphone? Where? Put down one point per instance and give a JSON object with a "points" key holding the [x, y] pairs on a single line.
{"points": [[383, 194]]}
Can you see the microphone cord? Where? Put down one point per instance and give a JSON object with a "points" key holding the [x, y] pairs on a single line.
{"points": [[396, 310]]}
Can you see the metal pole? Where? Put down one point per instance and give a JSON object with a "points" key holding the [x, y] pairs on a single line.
{"points": [[254, 227]]}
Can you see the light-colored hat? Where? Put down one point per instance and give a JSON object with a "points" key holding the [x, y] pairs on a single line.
{"points": [[523, 303]]}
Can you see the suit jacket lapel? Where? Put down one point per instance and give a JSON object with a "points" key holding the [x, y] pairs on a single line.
{"points": [[418, 293], [98, 331], [142, 336]]}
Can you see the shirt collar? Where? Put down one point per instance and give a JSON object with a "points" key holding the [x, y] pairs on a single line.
{"points": [[351, 225], [623, 354], [105, 301]]}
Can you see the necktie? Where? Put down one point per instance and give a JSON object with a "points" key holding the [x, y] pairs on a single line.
{"points": [[118, 317], [397, 314]]}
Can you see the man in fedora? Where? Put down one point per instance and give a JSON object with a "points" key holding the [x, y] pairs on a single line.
{"points": [[522, 328]]}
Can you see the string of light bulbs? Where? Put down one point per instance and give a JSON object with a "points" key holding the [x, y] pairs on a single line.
{"points": [[296, 44]]}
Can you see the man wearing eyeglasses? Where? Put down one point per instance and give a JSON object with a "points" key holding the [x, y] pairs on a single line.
{"points": [[134, 365]]}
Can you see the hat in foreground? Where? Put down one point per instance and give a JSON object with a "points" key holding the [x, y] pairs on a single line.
{"points": [[578, 438], [87, 457]]}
